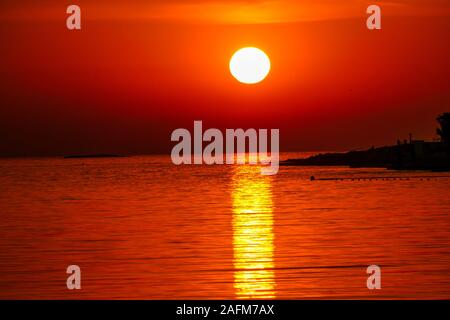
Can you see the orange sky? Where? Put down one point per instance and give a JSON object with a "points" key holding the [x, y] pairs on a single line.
{"points": [[140, 69]]}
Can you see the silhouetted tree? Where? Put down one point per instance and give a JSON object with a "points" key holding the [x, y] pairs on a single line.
{"points": [[444, 130]]}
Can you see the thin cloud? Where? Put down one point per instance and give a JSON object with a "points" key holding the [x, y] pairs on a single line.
{"points": [[221, 11]]}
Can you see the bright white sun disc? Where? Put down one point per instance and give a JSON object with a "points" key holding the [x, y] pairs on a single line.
{"points": [[249, 65]]}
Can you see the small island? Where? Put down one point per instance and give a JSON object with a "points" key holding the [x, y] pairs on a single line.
{"points": [[406, 155], [99, 155]]}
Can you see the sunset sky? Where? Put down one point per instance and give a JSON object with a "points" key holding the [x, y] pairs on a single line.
{"points": [[140, 69]]}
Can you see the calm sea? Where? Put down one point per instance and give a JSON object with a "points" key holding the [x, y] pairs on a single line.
{"points": [[140, 227]]}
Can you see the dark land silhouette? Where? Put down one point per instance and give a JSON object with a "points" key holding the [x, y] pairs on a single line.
{"points": [[99, 155], [407, 155]]}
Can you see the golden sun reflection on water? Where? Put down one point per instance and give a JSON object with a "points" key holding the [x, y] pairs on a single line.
{"points": [[253, 238]]}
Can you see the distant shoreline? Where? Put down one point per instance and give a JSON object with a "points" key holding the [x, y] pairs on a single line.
{"points": [[100, 155], [416, 155]]}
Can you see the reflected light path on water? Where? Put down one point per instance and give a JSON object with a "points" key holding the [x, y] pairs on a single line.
{"points": [[253, 238]]}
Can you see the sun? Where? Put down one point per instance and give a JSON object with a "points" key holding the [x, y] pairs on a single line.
{"points": [[250, 65]]}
